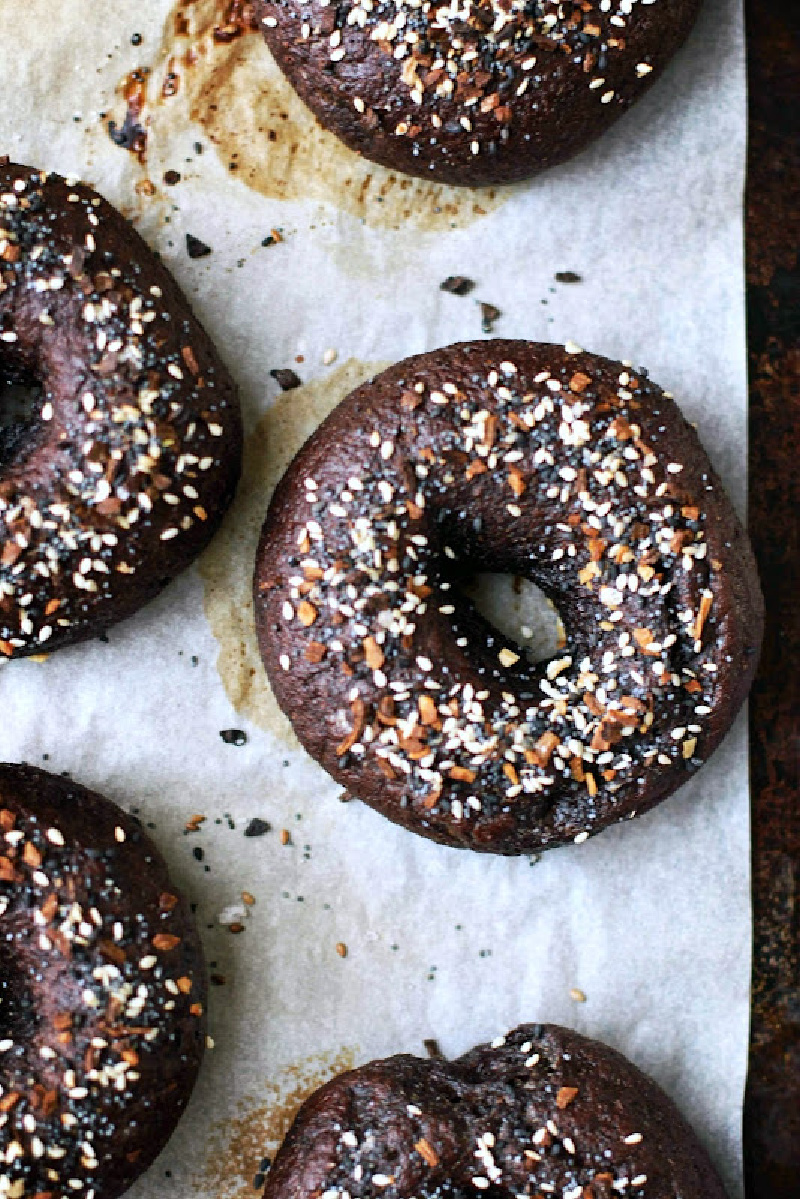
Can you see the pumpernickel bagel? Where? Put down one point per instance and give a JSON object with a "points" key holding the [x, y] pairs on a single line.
{"points": [[120, 473], [476, 91], [102, 1024], [540, 1112], [573, 471]]}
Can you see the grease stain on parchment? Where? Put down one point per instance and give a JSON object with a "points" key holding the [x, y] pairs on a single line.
{"points": [[238, 1144], [226, 567], [214, 70]]}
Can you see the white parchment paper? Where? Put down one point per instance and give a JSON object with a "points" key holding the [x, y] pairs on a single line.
{"points": [[650, 921]]}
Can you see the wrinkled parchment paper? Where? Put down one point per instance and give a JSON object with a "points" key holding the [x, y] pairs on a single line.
{"points": [[649, 922]]}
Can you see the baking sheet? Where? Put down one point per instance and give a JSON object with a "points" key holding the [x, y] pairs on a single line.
{"points": [[650, 922]]}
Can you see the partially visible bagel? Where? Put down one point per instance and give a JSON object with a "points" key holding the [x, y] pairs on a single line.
{"points": [[103, 985], [540, 1112], [131, 455], [472, 91]]}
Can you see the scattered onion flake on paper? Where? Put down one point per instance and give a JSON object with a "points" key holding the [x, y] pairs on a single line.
{"points": [[333, 936]]}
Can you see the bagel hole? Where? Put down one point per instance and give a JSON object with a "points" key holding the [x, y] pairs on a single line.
{"points": [[17, 1006], [20, 406], [519, 610]]}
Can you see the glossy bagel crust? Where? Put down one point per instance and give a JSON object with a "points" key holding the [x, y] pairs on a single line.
{"points": [[479, 92], [526, 459], [539, 1112], [102, 1026], [133, 451]]}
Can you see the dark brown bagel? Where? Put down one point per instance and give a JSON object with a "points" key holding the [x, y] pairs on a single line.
{"points": [[102, 1024], [540, 1112], [132, 454], [482, 92], [554, 464]]}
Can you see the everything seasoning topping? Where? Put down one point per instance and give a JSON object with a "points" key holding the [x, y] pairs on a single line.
{"points": [[92, 989], [553, 471], [124, 446], [463, 60]]}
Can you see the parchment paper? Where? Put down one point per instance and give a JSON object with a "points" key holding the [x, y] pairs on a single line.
{"points": [[650, 922]]}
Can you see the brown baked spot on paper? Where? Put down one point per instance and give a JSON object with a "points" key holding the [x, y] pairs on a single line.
{"points": [[227, 566], [229, 84], [239, 1143]]}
